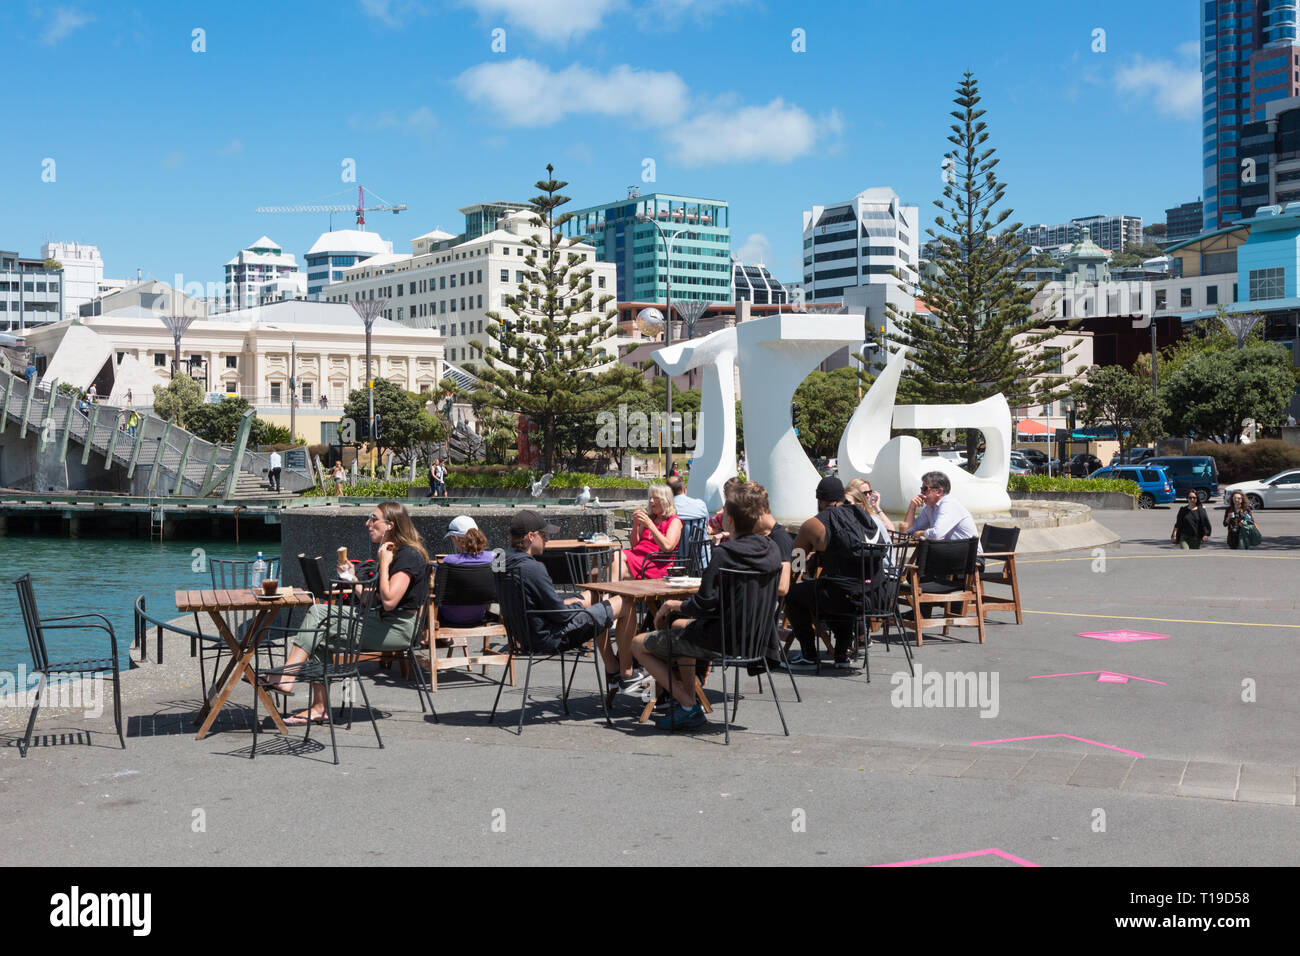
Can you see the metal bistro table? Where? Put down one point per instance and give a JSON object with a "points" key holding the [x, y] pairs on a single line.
{"points": [[216, 603], [650, 592]]}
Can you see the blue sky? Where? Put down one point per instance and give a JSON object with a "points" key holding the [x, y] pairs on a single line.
{"points": [[162, 153]]}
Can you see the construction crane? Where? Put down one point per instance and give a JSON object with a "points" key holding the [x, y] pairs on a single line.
{"points": [[361, 208]]}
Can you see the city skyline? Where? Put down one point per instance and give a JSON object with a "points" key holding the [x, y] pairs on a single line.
{"points": [[164, 140]]}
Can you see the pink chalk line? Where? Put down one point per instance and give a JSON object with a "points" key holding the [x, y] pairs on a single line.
{"points": [[994, 851], [1123, 637], [1095, 743], [1112, 673]]}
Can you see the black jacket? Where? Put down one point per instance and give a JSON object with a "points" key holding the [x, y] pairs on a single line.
{"points": [[1190, 524], [750, 552]]}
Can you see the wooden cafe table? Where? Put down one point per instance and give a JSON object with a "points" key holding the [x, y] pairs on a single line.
{"points": [[217, 603]]}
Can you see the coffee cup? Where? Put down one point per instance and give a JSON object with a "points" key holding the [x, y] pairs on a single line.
{"points": [[270, 586]]}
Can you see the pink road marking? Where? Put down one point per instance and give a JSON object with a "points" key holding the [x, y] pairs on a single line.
{"points": [[1111, 676], [1123, 637], [991, 851], [1105, 678], [1095, 743]]}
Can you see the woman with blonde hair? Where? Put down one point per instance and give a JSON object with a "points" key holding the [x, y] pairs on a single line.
{"points": [[403, 580], [656, 532], [859, 493]]}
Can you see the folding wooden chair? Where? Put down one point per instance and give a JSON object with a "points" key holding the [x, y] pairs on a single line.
{"points": [[999, 544]]}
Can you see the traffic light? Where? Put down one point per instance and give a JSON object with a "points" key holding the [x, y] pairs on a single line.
{"points": [[379, 427], [794, 415]]}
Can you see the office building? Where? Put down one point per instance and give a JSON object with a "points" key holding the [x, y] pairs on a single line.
{"points": [[1270, 152], [263, 261], [448, 287], [753, 283], [700, 255], [30, 294], [83, 273], [859, 242], [1108, 232], [1183, 222], [1249, 58], [338, 250], [482, 218]]}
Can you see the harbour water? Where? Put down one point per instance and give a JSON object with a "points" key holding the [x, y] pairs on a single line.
{"points": [[105, 575]]}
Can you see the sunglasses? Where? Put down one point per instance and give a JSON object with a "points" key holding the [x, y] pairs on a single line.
{"points": [[371, 519], [929, 487]]}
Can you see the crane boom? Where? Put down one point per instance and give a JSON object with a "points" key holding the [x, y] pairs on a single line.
{"points": [[360, 208]]}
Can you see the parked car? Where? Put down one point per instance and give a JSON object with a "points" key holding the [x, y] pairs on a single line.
{"points": [[1157, 487], [1280, 491], [1082, 464], [1039, 460], [1198, 472], [1020, 465], [1134, 456]]}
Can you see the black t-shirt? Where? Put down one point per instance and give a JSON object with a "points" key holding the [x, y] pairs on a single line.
{"points": [[750, 552], [417, 592], [784, 542]]}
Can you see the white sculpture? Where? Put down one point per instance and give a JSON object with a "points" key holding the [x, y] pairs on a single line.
{"points": [[774, 355]]}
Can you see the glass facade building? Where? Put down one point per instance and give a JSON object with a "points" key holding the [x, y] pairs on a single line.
{"points": [[1249, 58], [701, 254]]}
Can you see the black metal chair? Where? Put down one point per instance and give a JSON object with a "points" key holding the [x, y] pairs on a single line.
{"points": [[685, 558], [467, 585], [313, 574], [871, 581], [232, 574], [745, 603], [591, 523], [944, 572], [589, 565], [883, 605], [999, 544], [36, 627], [341, 649], [515, 615]]}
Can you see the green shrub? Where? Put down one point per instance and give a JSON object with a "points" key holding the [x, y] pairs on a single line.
{"points": [[497, 476], [1035, 483], [382, 490], [1248, 462]]}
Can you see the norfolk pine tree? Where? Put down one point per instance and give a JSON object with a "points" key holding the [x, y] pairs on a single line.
{"points": [[544, 362], [978, 303]]}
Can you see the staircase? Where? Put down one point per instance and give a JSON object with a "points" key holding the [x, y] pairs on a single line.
{"points": [[160, 458]]}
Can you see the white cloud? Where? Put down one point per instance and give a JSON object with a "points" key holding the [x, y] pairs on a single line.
{"points": [[419, 120], [669, 14], [555, 21], [776, 132], [756, 248], [393, 13], [526, 93], [1175, 89], [65, 20], [233, 148]]}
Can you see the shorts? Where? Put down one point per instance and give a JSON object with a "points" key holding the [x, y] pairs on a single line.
{"points": [[582, 627], [659, 642]]}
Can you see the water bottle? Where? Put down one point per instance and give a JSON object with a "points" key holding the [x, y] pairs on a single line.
{"points": [[259, 571]]}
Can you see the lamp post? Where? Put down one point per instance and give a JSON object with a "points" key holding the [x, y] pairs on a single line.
{"points": [[293, 380], [368, 310], [668, 328]]}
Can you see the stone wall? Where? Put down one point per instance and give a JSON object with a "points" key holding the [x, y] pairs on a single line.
{"points": [[1101, 500]]}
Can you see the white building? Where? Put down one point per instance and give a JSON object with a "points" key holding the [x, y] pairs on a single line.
{"points": [[451, 288], [335, 251], [83, 273], [251, 268], [859, 242]]}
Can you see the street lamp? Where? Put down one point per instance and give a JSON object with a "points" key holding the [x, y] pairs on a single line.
{"points": [[293, 379], [668, 327], [369, 310]]}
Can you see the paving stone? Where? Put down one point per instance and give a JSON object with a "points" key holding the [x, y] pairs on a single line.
{"points": [[947, 762], [1268, 778], [1047, 767], [1214, 776], [1152, 775], [998, 766], [1211, 793], [1101, 770], [897, 759], [1262, 796]]}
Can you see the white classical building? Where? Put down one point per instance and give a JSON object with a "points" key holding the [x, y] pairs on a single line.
{"points": [[248, 353], [449, 289], [253, 267]]}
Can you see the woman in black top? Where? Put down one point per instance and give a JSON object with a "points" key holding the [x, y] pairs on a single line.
{"points": [[1192, 526], [403, 581]]}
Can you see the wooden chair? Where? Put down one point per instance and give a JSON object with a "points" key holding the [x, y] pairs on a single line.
{"points": [[944, 572], [999, 544], [467, 584]]}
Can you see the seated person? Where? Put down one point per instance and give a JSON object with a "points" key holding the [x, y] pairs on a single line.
{"points": [[941, 517], [403, 589], [686, 506], [833, 533], [715, 521], [693, 628], [552, 633], [859, 493], [654, 532], [471, 549]]}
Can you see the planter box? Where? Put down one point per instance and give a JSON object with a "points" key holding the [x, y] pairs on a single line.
{"points": [[1101, 500]]}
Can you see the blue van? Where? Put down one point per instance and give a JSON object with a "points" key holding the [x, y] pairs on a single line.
{"points": [[1157, 487], [1191, 472]]}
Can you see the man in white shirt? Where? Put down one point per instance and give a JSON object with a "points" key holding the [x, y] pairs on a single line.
{"points": [[275, 471], [942, 517]]}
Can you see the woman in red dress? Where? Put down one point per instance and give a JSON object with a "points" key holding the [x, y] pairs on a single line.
{"points": [[654, 531]]}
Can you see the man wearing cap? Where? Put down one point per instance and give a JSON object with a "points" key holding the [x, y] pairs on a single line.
{"points": [[552, 633], [837, 526]]}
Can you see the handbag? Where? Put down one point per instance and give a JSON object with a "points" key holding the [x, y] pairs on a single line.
{"points": [[1250, 532]]}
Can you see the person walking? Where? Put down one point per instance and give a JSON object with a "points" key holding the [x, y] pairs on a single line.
{"points": [[439, 482], [133, 422], [1192, 526], [1243, 533], [275, 471], [128, 398]]}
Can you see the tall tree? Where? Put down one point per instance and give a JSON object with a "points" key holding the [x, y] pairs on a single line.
{"points": [[1113, 397], [982, 335], [1211, 393], [542, 358]]}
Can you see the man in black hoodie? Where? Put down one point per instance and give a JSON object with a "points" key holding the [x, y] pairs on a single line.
{"points": [[693, 628]]}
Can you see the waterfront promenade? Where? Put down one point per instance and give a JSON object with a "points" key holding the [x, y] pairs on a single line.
{"points": [[1210, 709]]}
